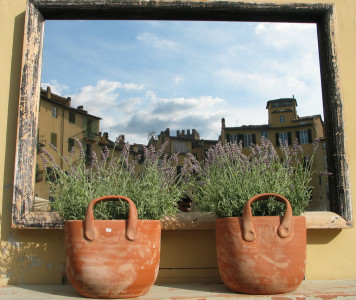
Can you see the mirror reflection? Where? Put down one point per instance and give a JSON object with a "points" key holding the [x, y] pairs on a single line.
{"points": [[188, 83]]}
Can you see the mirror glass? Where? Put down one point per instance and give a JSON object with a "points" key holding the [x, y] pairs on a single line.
{"points": [[102, 79]]}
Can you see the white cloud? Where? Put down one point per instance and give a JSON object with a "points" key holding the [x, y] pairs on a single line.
{"points": [[133, 86], [56, 87], [96, 99], [283, 35], [178, 79], [155, 41], [105, 96]]}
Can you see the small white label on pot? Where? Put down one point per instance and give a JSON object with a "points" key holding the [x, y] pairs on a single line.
{"points": [[108, 229]]}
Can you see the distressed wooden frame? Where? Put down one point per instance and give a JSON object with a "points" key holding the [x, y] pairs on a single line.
{"points": [[40, 10]]}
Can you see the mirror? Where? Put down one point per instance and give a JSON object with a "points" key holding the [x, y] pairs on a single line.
{"points": [[138, 78], [24, 214]]}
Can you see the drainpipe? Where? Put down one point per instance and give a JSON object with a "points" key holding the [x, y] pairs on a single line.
{"points": [[62, 138]]}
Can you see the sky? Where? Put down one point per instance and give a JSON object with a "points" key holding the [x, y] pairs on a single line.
{"points": [[142, 77]]}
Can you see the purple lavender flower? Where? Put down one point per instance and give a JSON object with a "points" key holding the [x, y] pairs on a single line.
{"points": [[80, 145]]}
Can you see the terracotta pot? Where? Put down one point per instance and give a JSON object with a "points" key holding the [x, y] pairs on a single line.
{"points": [[262, 255], [112, 258]]}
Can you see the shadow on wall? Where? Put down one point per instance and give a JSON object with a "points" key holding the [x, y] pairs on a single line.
{"points": [[321, 236], [32, 257]]}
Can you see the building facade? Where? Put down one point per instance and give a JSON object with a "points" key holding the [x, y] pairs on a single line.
{"points": [[184, 142], [285, 126], [59, 124]]}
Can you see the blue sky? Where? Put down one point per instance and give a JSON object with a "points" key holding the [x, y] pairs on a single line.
{"points": [[144, 76]]}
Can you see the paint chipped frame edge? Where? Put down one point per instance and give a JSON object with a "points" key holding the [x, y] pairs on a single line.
{"points": [[37, 11]]}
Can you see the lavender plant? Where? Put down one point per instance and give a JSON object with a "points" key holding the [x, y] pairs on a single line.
{"points": [[227, 178], [154, 187]]}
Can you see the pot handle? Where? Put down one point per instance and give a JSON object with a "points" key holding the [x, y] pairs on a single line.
{"points": [[284, 228], [90, 230]]}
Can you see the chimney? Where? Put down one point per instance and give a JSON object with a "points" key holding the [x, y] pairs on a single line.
{"points": [[183, 132], [81, 107], [69, 101], [223, 123], [178, 133], [48, 92], [188, 131], [121, 139]]}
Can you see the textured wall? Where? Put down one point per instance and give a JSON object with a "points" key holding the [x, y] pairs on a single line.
{"points": [[37, 256]]}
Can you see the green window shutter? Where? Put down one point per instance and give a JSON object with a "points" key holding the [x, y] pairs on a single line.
{"points": [[72, 117], [95, 129], [84, 123], [297, 135], [70, 144], [277, 139], [310, 139], [254, 138], [289, 134], [54, 139], [228, 137], [240, 138]]}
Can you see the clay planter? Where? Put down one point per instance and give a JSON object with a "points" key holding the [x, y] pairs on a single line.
{"points": [[262, 255], [112, 258]]}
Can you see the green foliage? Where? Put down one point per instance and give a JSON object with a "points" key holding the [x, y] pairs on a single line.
{"points": [[155, 188], [227, 178]]}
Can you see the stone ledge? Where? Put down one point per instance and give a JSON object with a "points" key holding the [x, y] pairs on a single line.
{"points": [[309, 289], [206, 221]]}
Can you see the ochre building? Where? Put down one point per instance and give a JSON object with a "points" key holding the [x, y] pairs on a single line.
{"points": [[286, 127]]}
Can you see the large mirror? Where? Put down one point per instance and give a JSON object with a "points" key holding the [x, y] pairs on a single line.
{"points": [[146, 91]]}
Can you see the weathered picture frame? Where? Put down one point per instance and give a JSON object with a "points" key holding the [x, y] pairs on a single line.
{"points": [[40, 10]]}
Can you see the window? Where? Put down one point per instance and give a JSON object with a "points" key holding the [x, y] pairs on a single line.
{"points": [[247, 140], [283, 138], [54, 112], [51, 174], [179, 170], [72, 117], [88, 150], [180, 147], [70, 144], [233, 138], [54, 139], [304, 136], [264, 133], [282, 119]]}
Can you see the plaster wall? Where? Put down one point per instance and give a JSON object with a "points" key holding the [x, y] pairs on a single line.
{"points": [[37, 256]]}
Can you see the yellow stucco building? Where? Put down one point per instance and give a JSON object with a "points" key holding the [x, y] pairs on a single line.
{"points": [[182, 143], [286, 126], [31, 254], [59, 124]]}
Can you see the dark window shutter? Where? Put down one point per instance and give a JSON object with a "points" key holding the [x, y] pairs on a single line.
{"points": [[70, 144], [277, 139], [297, 134], [240, 137], [289, 138], [228, 137], [254, 138], [310, 140]]}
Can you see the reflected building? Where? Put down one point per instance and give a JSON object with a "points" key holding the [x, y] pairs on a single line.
{"points": [[284, 125], [60, 124], [182, 143]]}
